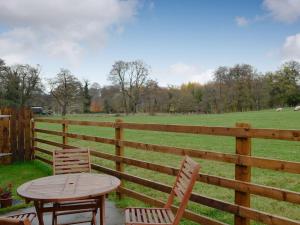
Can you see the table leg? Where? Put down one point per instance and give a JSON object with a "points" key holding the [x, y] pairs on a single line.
{"points": [[102, 210], [38, 207]]}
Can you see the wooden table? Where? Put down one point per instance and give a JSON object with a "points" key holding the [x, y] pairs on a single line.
{"points": [[68, 187]]}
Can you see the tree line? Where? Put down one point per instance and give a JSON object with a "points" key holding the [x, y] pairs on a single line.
{"points": [[132, 90]]}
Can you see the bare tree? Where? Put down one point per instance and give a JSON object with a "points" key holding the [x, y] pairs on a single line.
{"points": [[139, 72], [65, 88], [118, 76], [131, 77]]}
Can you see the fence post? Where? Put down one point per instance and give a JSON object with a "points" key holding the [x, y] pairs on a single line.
{"points": [[119, 135], [242, 173], [64, 131], [33, 137]]}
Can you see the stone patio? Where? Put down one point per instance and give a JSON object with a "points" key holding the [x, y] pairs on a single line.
{"points": [[113, 215]]}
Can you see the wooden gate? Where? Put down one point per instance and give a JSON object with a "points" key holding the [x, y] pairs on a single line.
{"points": [[17, 132]]}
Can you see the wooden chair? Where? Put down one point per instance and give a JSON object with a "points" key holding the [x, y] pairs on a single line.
{"points": [[67, 161], [20, 219], [182, 189]]}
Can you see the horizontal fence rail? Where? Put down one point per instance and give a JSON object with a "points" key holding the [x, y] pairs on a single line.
{"points": [[290, 135], [243, 188], [264, 163]]}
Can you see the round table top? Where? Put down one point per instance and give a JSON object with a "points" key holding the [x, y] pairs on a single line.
{"points": [[68, 187]]}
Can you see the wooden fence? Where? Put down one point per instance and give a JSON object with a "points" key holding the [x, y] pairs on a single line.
{"points": [[15, 133], [242, 160]]}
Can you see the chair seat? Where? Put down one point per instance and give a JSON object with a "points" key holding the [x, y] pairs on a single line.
{"points": [[153, 216], [30, 216]]}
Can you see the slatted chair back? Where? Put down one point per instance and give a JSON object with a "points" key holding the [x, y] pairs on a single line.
{"points": [[11, 221], [67, 161], [183, 186]]}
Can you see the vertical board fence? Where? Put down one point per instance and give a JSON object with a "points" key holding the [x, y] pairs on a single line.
{"points": [[19, 133], [241, 160], [5, 153]]}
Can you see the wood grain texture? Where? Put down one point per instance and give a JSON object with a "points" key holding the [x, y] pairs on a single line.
{"points": [[242, 173], [20, 133], [264, 163], [257, 189], [280, 134], [68, 187], [67, 161], [157, 203], [182, 189]]}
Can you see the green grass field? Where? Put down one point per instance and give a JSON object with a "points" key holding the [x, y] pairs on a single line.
{"points": [[18, 174], [285, 150]]}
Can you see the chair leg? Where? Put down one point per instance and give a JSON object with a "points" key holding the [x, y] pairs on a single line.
{"points": [[54, 218], [93, 222]]}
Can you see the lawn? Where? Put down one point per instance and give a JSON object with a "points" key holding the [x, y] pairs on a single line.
{"points": [[285, 150], [19, 173]]}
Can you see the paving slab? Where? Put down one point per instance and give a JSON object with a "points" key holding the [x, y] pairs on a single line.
{"points": [[113, 215]]}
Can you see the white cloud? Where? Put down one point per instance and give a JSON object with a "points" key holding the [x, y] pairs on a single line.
{"points": [[60, 28], [17, 44], [241, 21], [203, 77], [287, 11], [283, 10], [183, 73], [291, 48]]}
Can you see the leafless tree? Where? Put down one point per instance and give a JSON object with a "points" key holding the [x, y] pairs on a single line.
{"points": [[131, 77], [118, 76], [65, 88]]}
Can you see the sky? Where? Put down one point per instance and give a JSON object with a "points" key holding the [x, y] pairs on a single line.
{"points": [[182, 41]]}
